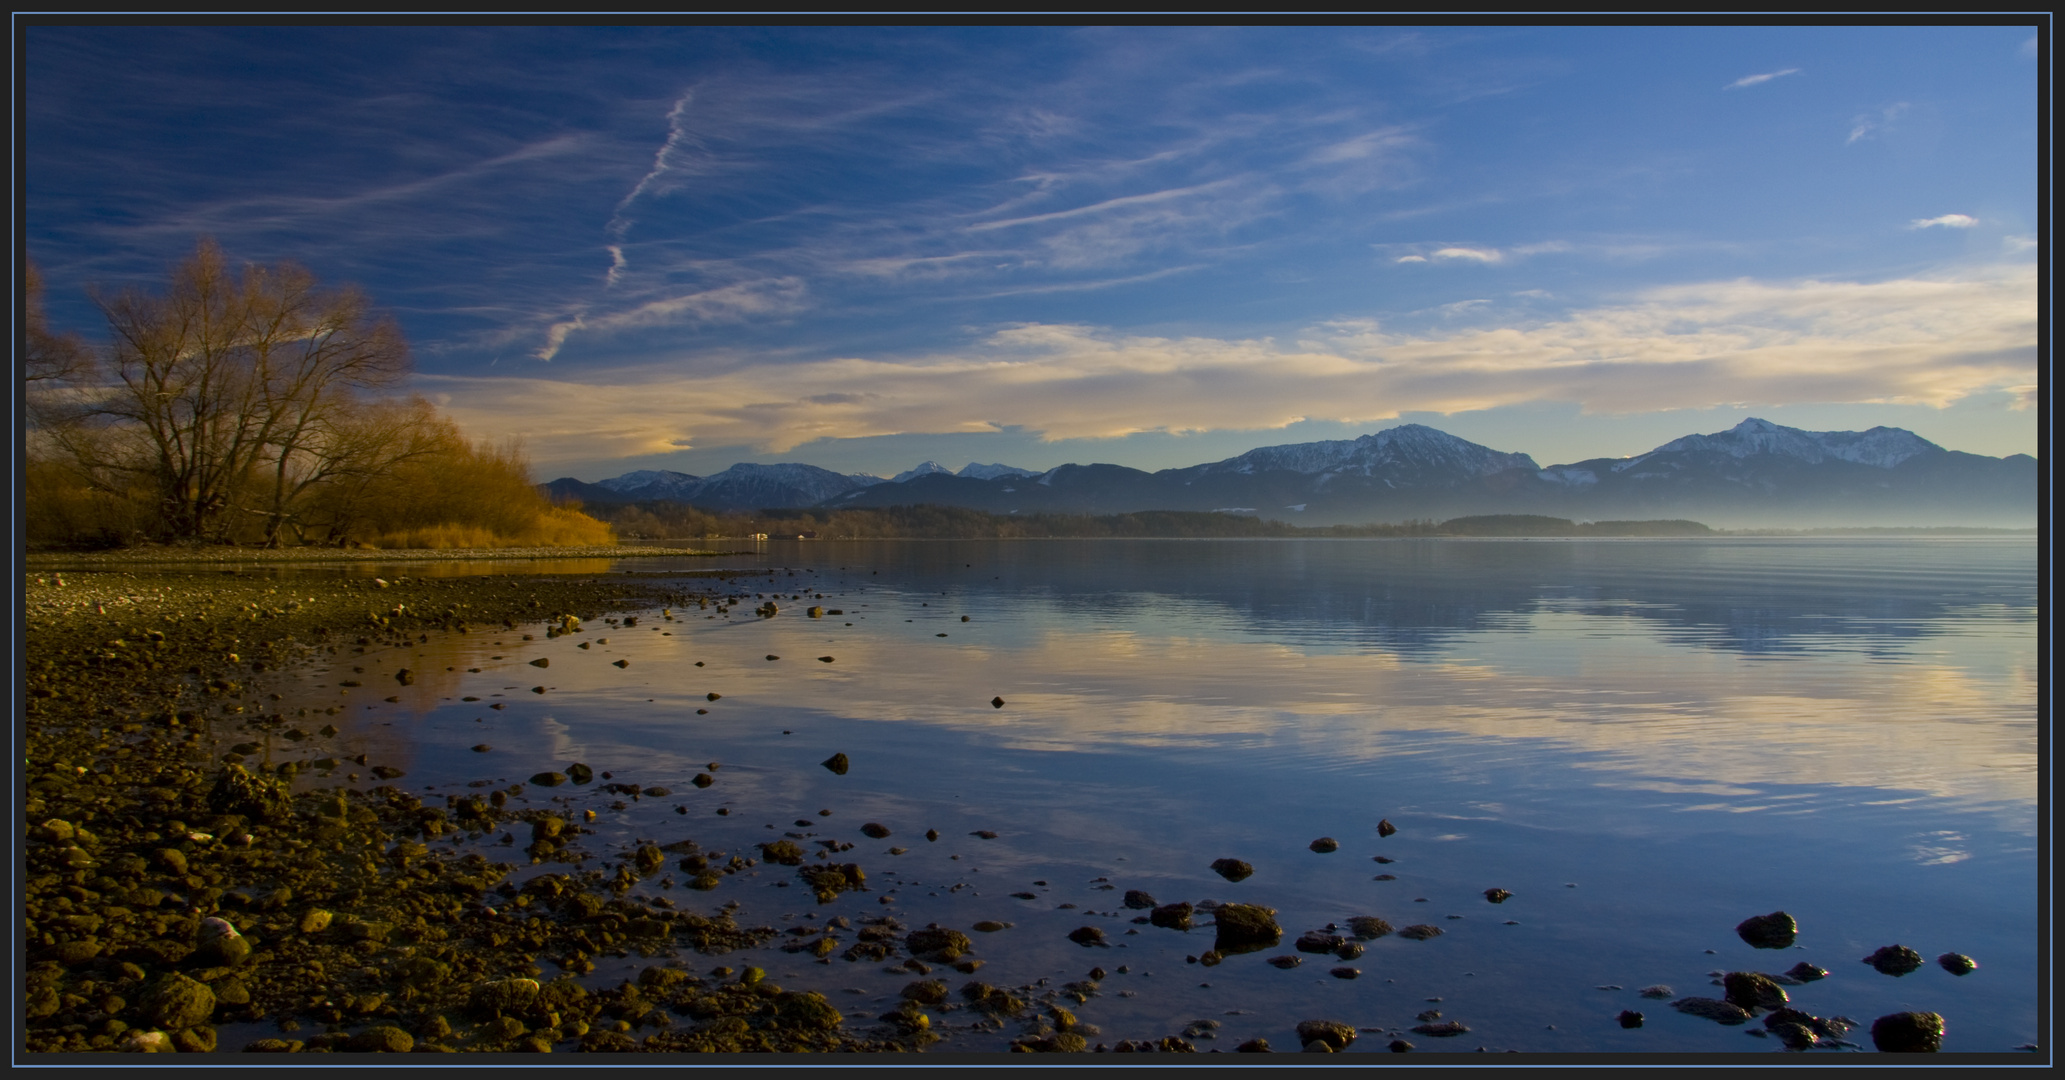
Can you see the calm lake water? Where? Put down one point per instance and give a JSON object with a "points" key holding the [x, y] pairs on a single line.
{"points": [[1645, 742]]}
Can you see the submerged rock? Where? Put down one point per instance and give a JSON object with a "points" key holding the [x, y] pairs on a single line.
{"points": [[1420, 932], [1174, 916], [1244, 928], [1138, 900], [875, 831], [1720, 1012], [1894, 960], [1318, 941], [784, 852], [938, 943], [837, 763], [1285, 961], [1774, 931], [1750, 990], [1908, 1033], [1443, 1029], [1368, 927]]}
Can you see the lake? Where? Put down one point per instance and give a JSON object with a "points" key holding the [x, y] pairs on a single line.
{"points": [[1643, 742]]}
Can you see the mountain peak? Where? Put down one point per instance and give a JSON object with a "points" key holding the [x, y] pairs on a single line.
{"points": [[1880, 447], [1410, 448], [923, 468]]}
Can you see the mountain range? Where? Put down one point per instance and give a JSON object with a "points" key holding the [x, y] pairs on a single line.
{"points": [[1754, 474]]}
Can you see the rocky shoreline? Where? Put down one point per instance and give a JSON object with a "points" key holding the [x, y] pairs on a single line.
{"points": [[170, 891]]}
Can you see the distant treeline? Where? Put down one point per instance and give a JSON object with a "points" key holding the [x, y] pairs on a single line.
{"points": [[673, 521]]}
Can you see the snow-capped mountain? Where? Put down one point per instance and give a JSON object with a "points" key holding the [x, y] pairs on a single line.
{"points": [[1756, 473], [974, 471], [1409, 449], [1880, 447], [924, 468], [651, 483]]}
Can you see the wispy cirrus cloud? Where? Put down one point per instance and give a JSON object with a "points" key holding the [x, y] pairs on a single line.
{"points": [[1475, 253], [1926, 340], [770, 298], [1754, 80], [1946, 221], [1865, 125]]}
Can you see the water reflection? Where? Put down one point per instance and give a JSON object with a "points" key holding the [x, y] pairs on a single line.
{"points": [[1693, 732]]}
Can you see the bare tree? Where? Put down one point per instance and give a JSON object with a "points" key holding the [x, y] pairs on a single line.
{"points": [[49, 358], [225, 386]]}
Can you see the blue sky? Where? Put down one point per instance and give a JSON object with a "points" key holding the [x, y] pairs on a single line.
{"points": [[861, 247]]}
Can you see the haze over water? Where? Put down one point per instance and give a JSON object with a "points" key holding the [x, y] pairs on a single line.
{"points": [[1644, 741]]}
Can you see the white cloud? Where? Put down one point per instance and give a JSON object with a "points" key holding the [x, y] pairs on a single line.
{"points": [[1931, 340], [2018, 243], [1752, 80], [1412, 258], [1948, 221]]}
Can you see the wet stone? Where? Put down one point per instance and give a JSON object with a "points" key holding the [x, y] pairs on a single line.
{"points": [[1334, 1034], [1232, 869], [549, 779], [1318, 941], [1385, 828], [1345, 972], [1325, 845], [1244, 928], [938, 943], [1774, 931], [1751, 991], [1420, 932], [1794, 1036], [1957, 963], [1720, 1012], [1894, 960], [1443, 1029], [875, 831], [383, 1039], [1286, 961], [1908, 1033], [1138, 900], [1805, 972], [1629, 1018], [176, 1001], [838, 764], [1497, 896], [1368, 927], [1086, 936], [1172, 916]]}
